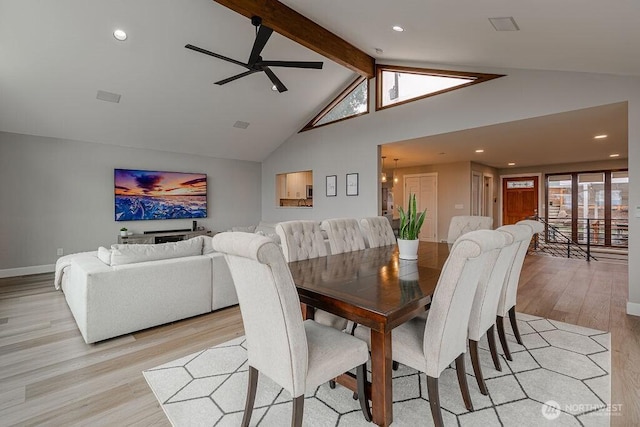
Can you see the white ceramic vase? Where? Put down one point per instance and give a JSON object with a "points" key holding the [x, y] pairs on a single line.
{"points": [[408, 249]]}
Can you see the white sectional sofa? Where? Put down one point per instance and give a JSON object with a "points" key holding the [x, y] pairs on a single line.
{"points": [[127, 288]]}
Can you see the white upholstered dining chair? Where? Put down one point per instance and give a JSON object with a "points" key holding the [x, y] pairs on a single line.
{"points": [[298, 355], [508, 297], [344, 235], [377, 231], [462, 224], [302, 240], [430, 345], [485, 304]]}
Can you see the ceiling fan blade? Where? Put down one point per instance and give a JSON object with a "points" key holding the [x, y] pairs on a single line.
{"points": [[292, 64], [236, 77], [275, 80], [215, 55], [261, 40]]}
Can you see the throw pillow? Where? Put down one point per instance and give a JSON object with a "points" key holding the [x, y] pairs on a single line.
{"points": [[104, 255]]}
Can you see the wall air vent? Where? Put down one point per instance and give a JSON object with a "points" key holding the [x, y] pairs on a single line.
{"points": [[241, 125], [108, 96]]}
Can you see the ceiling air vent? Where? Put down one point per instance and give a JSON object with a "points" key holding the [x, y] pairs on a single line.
{"points": [[504, 24], [108, 96], [241, 125]]}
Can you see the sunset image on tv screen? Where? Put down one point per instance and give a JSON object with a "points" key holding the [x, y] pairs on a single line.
{"points": [[141, 194]]}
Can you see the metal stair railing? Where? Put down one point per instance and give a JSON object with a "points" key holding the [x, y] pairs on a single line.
{"points": [[555, 243]]}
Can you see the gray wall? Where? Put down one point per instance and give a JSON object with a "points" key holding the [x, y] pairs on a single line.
{"points": [[453, 189], [352, 145], [59, 194]]}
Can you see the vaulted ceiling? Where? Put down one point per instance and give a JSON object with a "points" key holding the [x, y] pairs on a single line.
{"points": [[55, 56]]}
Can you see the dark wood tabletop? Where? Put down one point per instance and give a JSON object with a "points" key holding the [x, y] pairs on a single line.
{"points": [[374, 288]]}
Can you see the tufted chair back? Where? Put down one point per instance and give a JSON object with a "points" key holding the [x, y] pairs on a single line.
{"points": [[462, 224], [301, 240], [377, 231], [344, 235]]}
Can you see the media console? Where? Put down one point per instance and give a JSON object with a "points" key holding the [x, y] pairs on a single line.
{"points": [[162, 236]]}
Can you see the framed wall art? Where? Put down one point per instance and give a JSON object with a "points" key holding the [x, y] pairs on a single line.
{"points": [[352, 184], [332, 185]]}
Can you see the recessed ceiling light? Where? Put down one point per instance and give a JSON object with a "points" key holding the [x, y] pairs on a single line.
{"points": [[614, 155], [600, 136], [120, 35], [480, 151], [398, 28], [504, 24], [511, 164]]}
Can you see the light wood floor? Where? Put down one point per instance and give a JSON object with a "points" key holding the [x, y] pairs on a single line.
{"points": [[48, 375]]}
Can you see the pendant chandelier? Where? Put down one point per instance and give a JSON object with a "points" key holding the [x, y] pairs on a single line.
{"points": [[383, 177], [395, 176]]}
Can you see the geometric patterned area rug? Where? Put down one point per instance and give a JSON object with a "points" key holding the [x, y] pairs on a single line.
{"points": [[560, 377]]}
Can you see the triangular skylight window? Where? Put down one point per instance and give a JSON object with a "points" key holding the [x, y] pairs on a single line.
{"points": [[398, 85], [352, 102]]}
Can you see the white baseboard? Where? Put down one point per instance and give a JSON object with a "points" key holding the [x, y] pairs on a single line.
{"points": [[633, 308], [25, 271]]}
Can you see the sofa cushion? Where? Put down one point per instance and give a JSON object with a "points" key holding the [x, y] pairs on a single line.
{"points": [[104, 255], [122, 254], [207, 246]]}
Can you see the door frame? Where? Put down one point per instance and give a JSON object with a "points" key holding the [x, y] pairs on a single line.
{"points": [[487, 195], [541, 203], [404, 194]]}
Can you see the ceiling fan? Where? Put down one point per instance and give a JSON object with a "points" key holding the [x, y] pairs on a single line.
{"points": [[256, 63]]}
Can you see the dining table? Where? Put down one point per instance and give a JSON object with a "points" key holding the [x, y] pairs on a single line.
{"points": [[375, 288]]}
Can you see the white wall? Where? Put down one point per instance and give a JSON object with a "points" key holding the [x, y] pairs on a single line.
{"points": [[59, 194], [351, 145]]}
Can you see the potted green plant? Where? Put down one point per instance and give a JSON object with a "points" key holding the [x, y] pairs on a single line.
{"points": [[123, 231], [410, 224]]}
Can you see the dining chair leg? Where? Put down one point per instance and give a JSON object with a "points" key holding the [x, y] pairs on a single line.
{"points": [[477, 370], [251, 396], [514, 324], [462, 382], [491, 337], [298, 410], [503, 338], [434, 401], [361, 374]]}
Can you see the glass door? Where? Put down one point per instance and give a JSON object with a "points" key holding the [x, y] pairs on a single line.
{"points": [[559, 207], [619, 208], [591, 208]]}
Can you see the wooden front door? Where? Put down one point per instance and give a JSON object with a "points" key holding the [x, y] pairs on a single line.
{"points": [[519, 198]]}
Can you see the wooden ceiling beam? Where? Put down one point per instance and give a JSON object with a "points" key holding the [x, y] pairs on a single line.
{"points": [[302, 30]]}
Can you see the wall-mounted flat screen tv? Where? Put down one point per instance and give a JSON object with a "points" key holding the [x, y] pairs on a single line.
{"points": [[142, 194]]}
